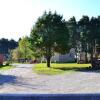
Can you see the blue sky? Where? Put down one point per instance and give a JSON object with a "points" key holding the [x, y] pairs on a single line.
{"points": [[18, 16]]}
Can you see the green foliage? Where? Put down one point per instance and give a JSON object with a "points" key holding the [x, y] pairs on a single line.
{"points": [[84, 25], [84, 35], [6, 45], [16, 54], [50, 35], [23, 51], [73, 34], [24, 47]]}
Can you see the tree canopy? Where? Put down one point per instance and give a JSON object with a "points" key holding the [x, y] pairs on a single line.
{"points": [[50, 34]]}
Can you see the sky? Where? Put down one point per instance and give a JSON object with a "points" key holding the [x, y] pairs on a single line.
{"points": [[17, 17]]}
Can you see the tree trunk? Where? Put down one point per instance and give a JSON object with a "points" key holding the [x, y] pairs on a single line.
{"points": [[48, 56], [92, 51], [91, 56], [92, 61], [86, 49], [48, 61], [86, 59]]}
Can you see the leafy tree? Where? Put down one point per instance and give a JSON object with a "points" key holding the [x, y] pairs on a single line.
{"points": [[84, 26], [24, 47], [98, 36], [49, 35], [94, 36], [6, 45], [74, 36], [16, 54]]}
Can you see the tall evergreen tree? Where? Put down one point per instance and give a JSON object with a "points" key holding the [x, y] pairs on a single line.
{"points": [[50, 35], [84, 26]]}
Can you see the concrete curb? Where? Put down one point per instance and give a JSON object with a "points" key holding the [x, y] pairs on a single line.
{"points": [[49, 96]]}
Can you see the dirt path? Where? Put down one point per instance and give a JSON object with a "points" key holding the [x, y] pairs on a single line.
{"points": [[21, 79]]}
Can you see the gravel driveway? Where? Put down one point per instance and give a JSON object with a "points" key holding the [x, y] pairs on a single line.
{"points": [[21, 79]]}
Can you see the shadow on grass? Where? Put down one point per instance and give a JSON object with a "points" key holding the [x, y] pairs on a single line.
{"points": [[83, 69], [2, 66]]}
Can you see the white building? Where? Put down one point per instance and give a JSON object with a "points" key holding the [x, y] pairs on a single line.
{"points": [[69, 57]]}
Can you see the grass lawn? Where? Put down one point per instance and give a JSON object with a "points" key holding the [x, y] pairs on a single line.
{"points": [[59, 68], [5, 67]]}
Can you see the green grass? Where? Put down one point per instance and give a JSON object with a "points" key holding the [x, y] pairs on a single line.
{"points": [[59, 68], [5, 67]]}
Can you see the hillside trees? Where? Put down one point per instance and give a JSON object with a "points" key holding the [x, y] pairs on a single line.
{"points": [[7, 45]]}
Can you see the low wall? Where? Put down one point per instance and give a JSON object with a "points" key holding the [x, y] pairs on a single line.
{"points": [[49, 96]]}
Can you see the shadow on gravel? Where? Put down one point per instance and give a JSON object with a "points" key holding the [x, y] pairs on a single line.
{"points": [[7, 79]]}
